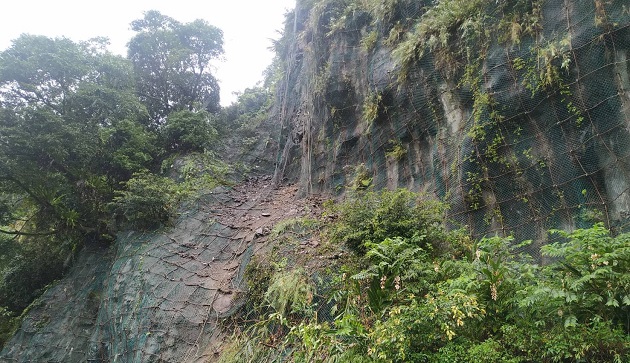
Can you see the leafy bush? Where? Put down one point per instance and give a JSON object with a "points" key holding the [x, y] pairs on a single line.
{"points": [[187, 131], [27, 268], [130, 146], [289, 292], [593, 267], [371, 106], [258, 276], [415, 295], [397, 151], [7, 325], [36, 263], [362, 178], [197, 173], [147, 201], [371, 217]]}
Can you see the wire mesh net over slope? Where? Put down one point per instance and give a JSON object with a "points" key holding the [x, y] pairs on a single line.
{"points": [[154, 297], [518, 132]]}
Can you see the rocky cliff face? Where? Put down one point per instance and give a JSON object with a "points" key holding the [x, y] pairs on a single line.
{"points": [[516, 113]]}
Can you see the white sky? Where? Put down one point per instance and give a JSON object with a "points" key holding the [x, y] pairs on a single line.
{"points": [[248, 26]]}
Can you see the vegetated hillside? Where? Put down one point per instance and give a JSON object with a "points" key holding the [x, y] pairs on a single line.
{"points": [[516, 113], [160, 296], [95, 145]]}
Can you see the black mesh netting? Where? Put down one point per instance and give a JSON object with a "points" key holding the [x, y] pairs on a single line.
{"points": [[156, 297], [558, 157]]}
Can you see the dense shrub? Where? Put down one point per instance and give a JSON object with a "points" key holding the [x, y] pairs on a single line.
{"points": [[28, 265], [370, 217], [129, 148], [36, 264], [147, 201], [8, 323], [412, 294], [187, 131]]}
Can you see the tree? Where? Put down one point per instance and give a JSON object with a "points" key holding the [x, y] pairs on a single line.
{"points": [[71, 130], [187, 131], [247, 113], [58, 99], [172, 64]]}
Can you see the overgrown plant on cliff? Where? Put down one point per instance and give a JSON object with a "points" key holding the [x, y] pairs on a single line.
{"points": [[421, 294], [458, 33]]}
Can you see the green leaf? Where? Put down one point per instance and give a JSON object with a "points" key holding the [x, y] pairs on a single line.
{"points": [[570, 321], [172, 64], [612, 301], [570, 297]]}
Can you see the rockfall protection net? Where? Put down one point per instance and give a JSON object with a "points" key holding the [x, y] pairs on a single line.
{"points": [[156, 297], [559, 158]]}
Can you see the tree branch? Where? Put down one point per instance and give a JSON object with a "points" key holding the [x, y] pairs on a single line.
{"points": [[19, 233]]}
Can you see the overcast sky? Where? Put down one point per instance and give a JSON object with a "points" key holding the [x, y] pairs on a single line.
{"points": [[248, 26]]}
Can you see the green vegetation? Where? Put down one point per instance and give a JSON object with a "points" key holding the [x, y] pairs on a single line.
{"points": [[7, 325], [147, 201], [410, 290], [415, 292], [369, 41], [458, 32], [459, 40], [244, 117], [171, 63], [187, 131], [397, 151], [85, 134], [369, 217], [362, 178], [371, 107]]}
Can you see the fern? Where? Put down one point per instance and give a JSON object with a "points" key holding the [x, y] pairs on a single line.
{"points": [[290, 292]]}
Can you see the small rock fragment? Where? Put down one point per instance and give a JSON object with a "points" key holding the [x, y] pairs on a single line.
{"points": [[262, 231]]}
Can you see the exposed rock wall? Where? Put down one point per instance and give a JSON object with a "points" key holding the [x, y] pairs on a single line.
{"points": [[519, 119], [518, 130]]}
